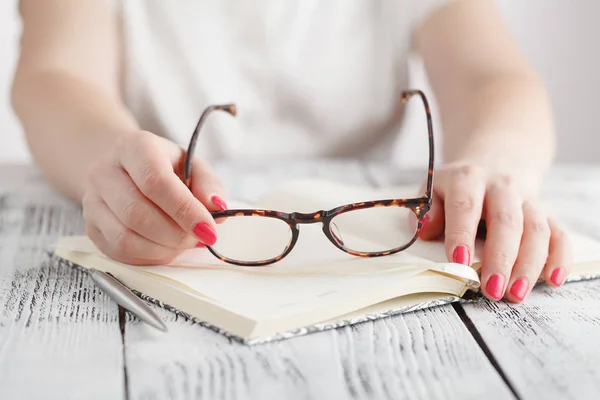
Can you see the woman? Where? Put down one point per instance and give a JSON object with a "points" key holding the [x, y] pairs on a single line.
{"points": [[107, 92]]}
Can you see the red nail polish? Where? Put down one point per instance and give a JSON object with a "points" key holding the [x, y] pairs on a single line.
{"points": [[558, 276], [219, 202], [461, 255], [519, 289], [205, 233], [200, 245], [495, 286]]}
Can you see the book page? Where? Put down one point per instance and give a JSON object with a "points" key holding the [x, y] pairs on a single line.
{"points": [[585, 249]]}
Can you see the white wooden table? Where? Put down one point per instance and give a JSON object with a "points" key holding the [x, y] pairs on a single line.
{"points": [[62, 338]]}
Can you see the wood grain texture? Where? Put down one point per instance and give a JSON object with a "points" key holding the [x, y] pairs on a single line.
{"points": [[548, 346], [424, 355], [59, 336]]}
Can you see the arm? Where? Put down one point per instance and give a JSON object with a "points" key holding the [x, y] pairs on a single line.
{"points": [[499, 142], [65, 90], [66, 94], [493, 106]]}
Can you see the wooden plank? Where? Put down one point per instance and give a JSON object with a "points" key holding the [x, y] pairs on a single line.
{"points": [[59, 336], [548, 346], [424, 355]]}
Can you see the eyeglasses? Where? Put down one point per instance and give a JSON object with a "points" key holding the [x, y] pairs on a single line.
{"points": [[255, 237]]}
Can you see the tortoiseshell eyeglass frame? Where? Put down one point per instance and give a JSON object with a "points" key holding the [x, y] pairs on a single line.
{"points": [[419, 206]]}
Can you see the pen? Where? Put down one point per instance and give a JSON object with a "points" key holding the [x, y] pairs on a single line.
{"points": [[126, 298]]}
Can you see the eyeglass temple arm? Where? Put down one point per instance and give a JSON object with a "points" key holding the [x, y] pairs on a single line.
{"points": [[231, 109], [187, 168], [405, 96]]}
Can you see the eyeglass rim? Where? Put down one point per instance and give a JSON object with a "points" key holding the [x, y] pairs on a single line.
{"points": [[419, 207], [423, 202]]}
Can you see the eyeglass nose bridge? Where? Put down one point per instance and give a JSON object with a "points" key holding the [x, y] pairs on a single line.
{"points": [[310, 218]]}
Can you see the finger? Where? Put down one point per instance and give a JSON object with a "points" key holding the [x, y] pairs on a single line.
{"points": [[96, 237], [154, 175], [463, 203], [103, 245], [207, 187], [504, 221], [560, 256], [532, 253], [121, 243], [137, 213], [433, 222]]}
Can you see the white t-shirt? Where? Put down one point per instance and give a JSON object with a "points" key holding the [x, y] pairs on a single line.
{"points": [[309, 78]]}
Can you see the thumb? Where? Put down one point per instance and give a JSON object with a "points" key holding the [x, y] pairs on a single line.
{"points": [[434, 221]]}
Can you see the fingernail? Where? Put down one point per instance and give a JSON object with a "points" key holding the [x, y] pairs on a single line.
{"points": [[219, 202], [200, 245], [519, 289], [205, 233], [495, 286], [461, 255], [558, 276]]}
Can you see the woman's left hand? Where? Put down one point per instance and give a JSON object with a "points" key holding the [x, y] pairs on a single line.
{"points": [[522, 241]]}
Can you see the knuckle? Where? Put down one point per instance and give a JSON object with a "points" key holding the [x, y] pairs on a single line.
{"points": [[152, 180], [184, 210], [468, 171], [136, 214], [506, 219], [122, 243], [91, 232], [507, 180], [464, 203], [538, 227], [459, 231], [531, 266], [503, 182], [501, 259]]}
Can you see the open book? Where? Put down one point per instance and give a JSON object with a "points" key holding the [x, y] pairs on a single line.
{"points": [[317, 286]]}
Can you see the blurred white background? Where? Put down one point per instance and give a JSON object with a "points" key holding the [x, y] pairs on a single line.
{"points": [[560, 37]]}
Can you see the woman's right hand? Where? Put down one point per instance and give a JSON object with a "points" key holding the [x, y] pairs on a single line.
{"points": [[136, 208]]}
